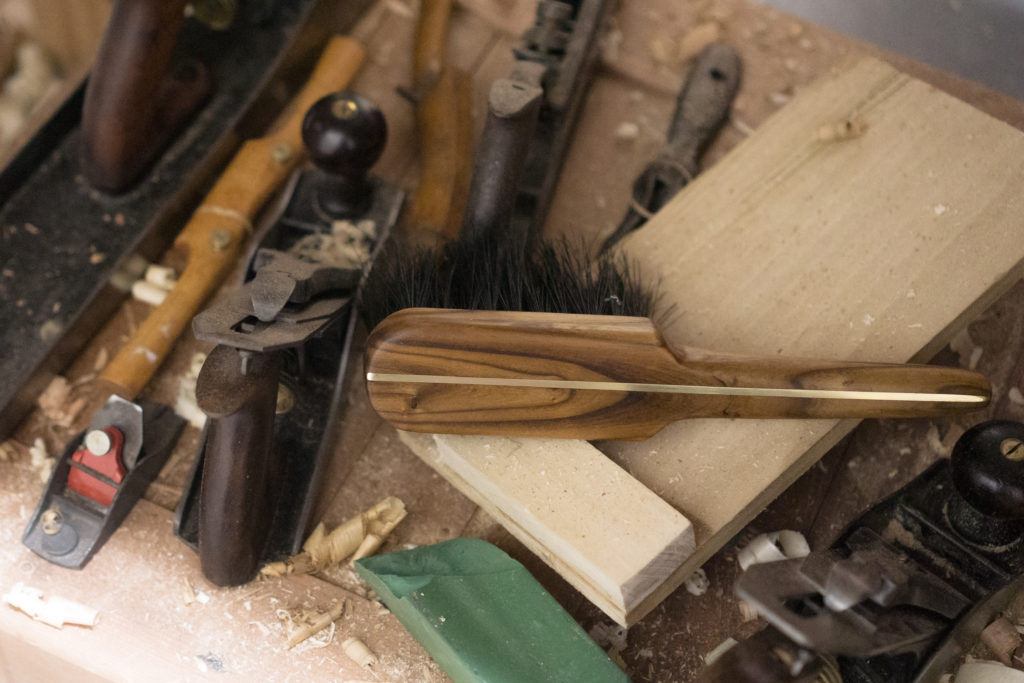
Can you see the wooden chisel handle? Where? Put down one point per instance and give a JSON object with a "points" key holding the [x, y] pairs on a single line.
{"points": [[212, 240], [444, 129], [611, 377]]}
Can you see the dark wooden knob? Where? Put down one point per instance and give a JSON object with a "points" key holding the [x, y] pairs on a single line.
{"points": [[345, 135], [988, 468]]}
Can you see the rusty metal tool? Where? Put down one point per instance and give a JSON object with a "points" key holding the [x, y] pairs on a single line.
{"points": [[283, 347], [702, 108], [893, 599], [99, 477], [58, 229], [557, 54]]}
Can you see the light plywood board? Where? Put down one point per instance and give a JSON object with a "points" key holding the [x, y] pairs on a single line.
{"points": [[600, 528], [879, 247]]}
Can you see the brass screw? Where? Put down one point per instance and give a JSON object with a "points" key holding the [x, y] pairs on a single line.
{"points": [[281, 152], [220, 239], [1012, 449], [52, 521], [344, 109]]}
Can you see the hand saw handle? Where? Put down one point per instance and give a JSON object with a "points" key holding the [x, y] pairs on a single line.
{"points": [[610, 377], [213, 237]]}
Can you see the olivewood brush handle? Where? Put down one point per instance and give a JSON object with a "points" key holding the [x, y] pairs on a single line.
{"points": [[609, 377], [213, 237]]}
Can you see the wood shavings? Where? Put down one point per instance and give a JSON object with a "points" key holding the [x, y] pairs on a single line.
{"points": [[696, 39], [966, 349], [358, 652], [56, 403], [1002, 639], [53, 611], [747, 611], [846, 129], [40, 459], [362, 536], [185, 404], [719, 650], [155, 284], [697, 583], [188, 593], [773, 547], [348, 245], [304, 624], [7, 451]]}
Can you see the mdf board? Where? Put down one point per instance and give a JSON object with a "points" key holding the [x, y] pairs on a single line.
{"points": [[807, 241]]}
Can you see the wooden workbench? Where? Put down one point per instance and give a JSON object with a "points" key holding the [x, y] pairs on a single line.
{"points": [[136, 581]]}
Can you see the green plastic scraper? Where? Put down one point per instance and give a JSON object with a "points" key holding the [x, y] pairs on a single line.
{"points": [[483, 617]]}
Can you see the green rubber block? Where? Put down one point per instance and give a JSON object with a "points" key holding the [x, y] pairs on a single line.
{"points": [[483, 617]]}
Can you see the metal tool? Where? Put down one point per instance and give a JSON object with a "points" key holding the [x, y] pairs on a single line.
{"points": [[99, 477], [878, 603], [530, 121], [213, 237], [56, 229], [284, 340], [701, 109]]}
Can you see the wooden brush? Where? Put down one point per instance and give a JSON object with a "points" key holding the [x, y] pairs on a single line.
{"points": [[571, 353], [495, 335]]}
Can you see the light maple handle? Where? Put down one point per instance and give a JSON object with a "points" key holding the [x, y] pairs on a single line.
{"points": [[213, 238], [609, 377]]}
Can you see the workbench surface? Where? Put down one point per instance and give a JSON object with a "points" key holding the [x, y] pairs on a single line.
{"points": [[137, 580]]}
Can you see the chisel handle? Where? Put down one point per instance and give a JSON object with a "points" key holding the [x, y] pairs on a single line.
{"points": [[611, 377], [213, 238]]}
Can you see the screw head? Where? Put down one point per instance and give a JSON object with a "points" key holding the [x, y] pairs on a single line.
{"points": [[98, 442], [51, 521], [1012, 449]]}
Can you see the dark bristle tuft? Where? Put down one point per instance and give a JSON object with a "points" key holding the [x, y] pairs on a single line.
{"points": [[486, 274]]}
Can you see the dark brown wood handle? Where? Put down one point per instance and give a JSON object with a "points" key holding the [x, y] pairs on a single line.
{"points": [[607, 377], [137, 98]]}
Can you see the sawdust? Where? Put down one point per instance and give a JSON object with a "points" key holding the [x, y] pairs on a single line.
{"points": [[358, 537], [57, 404]]}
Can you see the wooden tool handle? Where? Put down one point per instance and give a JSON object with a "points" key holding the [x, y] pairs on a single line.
{"points": [[444, 128], [607, 377], [213, 237]]}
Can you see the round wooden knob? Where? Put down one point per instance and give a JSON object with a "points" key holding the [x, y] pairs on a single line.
{"points": [[345, 134], [988, 468]]}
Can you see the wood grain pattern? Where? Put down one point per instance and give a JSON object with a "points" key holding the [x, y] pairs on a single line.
{"points": [[444, 131], [214, 236], [575, 363]]}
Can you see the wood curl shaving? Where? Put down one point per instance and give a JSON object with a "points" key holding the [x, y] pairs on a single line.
{"points": [[358, 537]]}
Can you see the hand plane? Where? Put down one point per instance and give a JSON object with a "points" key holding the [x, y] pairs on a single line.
{"points": [[890, 600], [59, 228], [273, 387]]}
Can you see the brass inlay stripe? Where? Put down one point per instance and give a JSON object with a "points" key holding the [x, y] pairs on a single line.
{"points": [[677, 388]]}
